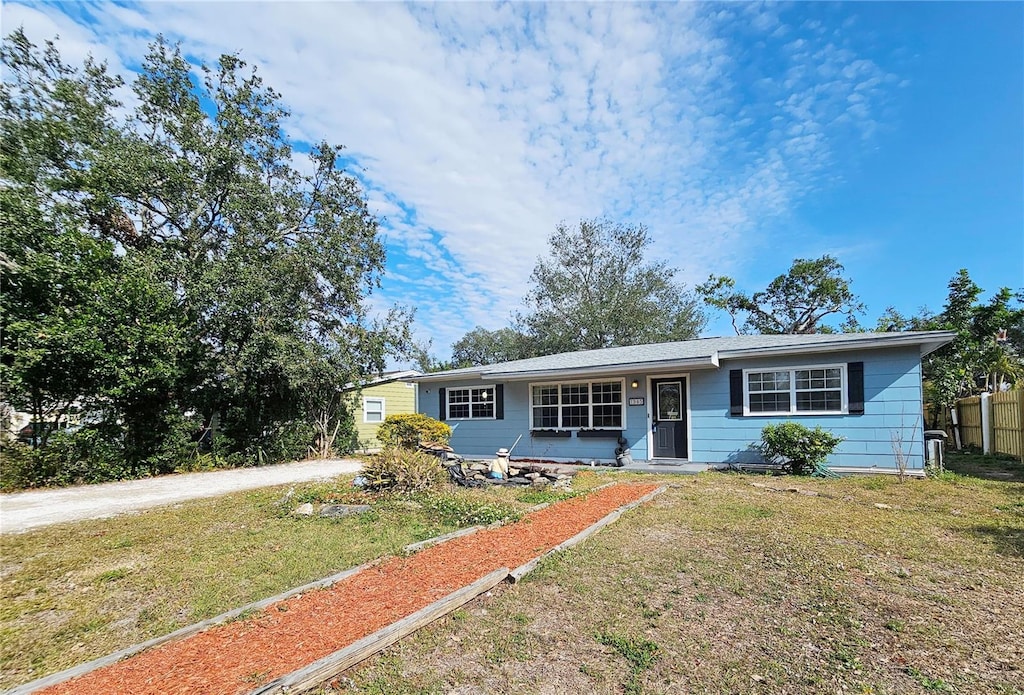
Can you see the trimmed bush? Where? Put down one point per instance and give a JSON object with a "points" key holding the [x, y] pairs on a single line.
{"points": [[408, 430], [800, 447], [403, 470]]}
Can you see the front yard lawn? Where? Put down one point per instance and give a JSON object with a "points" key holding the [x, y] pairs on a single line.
{"points": [[726, 583], [732, 584]]}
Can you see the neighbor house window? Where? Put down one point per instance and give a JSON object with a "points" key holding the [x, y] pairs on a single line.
{"points": [[802, 390], [373, 410], [577, 405], [471, 403]]}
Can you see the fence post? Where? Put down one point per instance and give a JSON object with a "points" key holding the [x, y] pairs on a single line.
{"points": [[1020, 421], [987, 425]]}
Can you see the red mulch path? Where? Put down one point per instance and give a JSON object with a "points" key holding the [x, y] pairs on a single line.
{"points": [[296, 632]]}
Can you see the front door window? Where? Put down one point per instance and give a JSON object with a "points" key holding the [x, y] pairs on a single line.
{"points": [[670, 400], [668, 425]]}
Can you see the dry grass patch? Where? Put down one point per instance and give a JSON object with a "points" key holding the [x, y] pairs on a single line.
{"points": [[867, 586]]}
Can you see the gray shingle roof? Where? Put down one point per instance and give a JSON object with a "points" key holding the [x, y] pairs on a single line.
{"points": [[701, 352]]}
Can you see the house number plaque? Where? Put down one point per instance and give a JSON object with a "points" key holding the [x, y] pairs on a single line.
{"points": [[639, 400]]}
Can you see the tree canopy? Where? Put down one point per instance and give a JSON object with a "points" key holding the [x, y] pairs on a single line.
{"points": [[481, 346], [595, 289], [173, 266], [796, 302], [986, 353]]}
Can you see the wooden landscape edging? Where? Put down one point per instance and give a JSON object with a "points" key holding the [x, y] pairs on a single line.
{"points": [[187, 631], [519, 572], [319, 671], [437, 540]]}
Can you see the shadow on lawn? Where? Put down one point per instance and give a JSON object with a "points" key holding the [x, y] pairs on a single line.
{"points": [[1009, 540], [986, 467]]}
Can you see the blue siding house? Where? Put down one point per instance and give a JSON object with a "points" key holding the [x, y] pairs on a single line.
{"points": [[701, 402]]}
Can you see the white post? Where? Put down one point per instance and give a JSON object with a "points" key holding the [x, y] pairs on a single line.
{"points": [[956, 428], [986, 419]]}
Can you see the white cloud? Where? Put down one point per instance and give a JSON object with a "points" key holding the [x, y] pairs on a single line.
{"points": [[478, 127]]}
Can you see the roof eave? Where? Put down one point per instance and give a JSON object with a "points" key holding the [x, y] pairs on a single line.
{"points": [[444, 376], [927, 343], [707, 362]]}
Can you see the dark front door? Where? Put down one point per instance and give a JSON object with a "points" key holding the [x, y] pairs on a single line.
{"points": [[669, 418]]}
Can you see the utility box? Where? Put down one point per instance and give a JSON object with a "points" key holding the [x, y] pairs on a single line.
{"points": [[935, 449]]}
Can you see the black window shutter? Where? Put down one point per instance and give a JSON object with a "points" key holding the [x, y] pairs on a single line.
{"points": [[441, 409], [736, 392], [855, 387], [499, 402]]}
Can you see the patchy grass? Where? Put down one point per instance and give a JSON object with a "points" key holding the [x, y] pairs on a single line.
{"points": [[985, 466], [74, 592], [729, 583]]}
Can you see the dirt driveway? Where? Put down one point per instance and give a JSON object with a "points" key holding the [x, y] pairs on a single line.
{"points": [[23, 511]]}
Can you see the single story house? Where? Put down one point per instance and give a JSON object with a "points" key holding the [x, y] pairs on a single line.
{"points": [[386, 395], [701, 402]]}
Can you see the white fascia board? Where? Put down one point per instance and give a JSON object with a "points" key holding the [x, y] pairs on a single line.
{"points": [[627, 368], [444, 376], [929, 343], [408, 375]]}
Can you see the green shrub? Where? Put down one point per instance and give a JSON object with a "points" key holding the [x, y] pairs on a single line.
{"points": [[408, 430], [795, 444], [403, 470], [18, 466], [90, 455]]}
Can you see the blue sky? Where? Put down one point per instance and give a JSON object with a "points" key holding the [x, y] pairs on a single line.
{"points": [[890, 135]]}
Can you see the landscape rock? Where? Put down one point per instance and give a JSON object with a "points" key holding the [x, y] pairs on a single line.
{"points": [[340, 510], [304, 509]]}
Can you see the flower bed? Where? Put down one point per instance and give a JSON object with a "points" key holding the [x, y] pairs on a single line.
{"points": [[240, 656]]}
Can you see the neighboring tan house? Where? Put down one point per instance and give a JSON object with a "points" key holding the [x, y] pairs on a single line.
{"points": [[699, 402], [379, 398]]}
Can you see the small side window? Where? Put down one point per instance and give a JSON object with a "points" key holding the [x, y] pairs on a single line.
{"points": [[373, 410]]}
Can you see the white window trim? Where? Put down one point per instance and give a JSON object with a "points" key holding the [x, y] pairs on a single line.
{"points": [[843, 391], [383, 411], [590, 405], [448, 401]]}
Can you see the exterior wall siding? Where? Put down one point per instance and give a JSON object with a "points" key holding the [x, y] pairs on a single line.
{"points": [[399, 397], [892, 405]]}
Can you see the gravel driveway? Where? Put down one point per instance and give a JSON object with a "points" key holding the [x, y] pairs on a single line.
{"points": [[23, 511]]}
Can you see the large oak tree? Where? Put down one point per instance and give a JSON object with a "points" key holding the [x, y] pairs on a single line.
{"points": [[597, 289], [173, 264], [798, 301]]}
